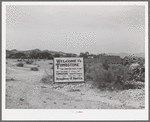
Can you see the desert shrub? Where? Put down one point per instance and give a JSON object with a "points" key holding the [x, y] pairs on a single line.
{"points": [[112, 78], [9, 79], [34, 68], [137, 73], [85, 68], [126, 63], [29, 62], [19, 60], [143, 77], [90, 69], [119, 75], [88, 76], [105, 65], [20, 64]]}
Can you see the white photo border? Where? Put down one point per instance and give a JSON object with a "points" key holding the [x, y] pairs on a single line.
{"points": [[71, 114]]}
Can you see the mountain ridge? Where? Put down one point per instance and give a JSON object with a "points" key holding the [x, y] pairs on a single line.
{"points": [[122, 54], [8, 52]]}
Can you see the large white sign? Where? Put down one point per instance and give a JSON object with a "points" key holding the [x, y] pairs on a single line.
{"points": [[68, 70]]}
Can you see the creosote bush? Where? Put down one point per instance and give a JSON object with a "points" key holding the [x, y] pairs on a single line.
{"points": [[20, 64], [34, 69]]}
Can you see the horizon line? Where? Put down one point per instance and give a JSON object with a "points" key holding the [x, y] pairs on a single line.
{"points": [[74, 52]]}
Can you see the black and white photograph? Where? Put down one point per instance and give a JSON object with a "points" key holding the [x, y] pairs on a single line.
{"points": [[75, 57]]}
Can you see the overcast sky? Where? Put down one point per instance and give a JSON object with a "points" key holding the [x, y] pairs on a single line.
{"points": [[75, 29]]}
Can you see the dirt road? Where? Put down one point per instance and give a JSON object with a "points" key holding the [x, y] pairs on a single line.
{"points": [[24, 90]]}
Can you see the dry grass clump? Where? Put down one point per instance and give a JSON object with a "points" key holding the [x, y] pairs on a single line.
{"points": [[48, 78], [34, 68], [20, 64]]}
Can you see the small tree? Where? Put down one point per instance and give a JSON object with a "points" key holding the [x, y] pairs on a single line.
{"points": [[84, 55], [69, 55], [87, 53]]}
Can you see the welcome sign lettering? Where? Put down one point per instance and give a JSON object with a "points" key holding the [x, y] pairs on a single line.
{"points": [[68, 70]]}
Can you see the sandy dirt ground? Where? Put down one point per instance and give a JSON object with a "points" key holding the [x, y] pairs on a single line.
{"points": [[24, 90]]}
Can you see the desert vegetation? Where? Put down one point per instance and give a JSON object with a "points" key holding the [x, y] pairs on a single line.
{"points": [[20, 64], [29, 62], [110, 76], [36, 54], [34, 68]]}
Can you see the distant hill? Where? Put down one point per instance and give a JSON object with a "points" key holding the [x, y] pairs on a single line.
{"points": [[9, 52], [19, 51], [122, 54], [14, 51], [127, 54]]}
